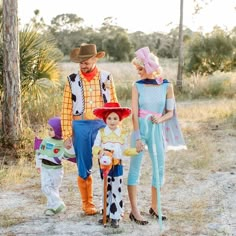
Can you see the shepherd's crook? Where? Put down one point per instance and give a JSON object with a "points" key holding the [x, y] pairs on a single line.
{"points": [[155, 163]]}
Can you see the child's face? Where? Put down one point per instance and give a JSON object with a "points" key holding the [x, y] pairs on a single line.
{"points": [[51, 132], [112, 120]]}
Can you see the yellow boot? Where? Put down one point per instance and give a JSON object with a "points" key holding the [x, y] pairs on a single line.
{"points": [[91, 209]]}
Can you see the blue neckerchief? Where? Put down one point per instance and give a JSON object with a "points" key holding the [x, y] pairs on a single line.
{"points": [[150, 81]]}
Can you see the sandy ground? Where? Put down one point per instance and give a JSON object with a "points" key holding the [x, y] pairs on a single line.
{"points": [[198, 200]]}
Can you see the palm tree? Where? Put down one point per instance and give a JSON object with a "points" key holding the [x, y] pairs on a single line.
{"points": [[39, 73], [38, 64]]}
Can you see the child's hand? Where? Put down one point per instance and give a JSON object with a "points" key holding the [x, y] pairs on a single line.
{"points": [[38, 170], [100, 154], [68, 143], [130, 152]]}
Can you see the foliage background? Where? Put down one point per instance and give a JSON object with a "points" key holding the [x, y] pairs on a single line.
{"points": [[210, 61]]}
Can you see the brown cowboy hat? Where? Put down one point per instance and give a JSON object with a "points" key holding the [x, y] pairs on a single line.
{"points": [[85, 52], [112, 107]]}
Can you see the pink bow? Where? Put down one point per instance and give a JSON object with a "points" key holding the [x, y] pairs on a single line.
{"points": [[159, 80], [143, 55]]}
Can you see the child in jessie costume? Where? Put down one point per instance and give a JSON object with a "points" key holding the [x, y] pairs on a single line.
{"points": [[112, 139], [84, 91]]}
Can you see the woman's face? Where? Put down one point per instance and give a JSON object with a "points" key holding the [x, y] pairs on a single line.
{"points": [[112, 120], [142, 72]]}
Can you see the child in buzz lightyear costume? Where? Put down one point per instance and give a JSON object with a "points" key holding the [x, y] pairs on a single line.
{"points": [[49, 157]]}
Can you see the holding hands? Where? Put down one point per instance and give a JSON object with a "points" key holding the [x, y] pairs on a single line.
{"points": [[68, 143], [139, 145]]}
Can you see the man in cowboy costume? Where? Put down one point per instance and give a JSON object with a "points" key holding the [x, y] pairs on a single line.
{"points": [[84, 91]]}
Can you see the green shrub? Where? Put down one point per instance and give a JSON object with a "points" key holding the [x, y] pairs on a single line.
{"points": [[201, 86]]}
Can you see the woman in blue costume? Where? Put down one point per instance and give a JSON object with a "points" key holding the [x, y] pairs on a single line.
{"points": [[155, 125]]}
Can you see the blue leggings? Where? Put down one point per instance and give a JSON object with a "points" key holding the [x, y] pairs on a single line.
{"points": [[155, 149]]}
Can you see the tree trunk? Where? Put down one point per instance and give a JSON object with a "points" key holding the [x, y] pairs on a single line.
{"points": [[11, 112], [180, 61]]}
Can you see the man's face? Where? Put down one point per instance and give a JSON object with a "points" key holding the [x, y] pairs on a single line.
{"points": [[88, 65]]}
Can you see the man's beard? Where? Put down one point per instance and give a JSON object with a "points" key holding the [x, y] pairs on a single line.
{"points": [[88, 70]]}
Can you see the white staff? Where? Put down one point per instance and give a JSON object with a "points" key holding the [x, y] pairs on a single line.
{"points": [[155, 162]]}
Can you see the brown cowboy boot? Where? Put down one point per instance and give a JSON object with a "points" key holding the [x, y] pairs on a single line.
{"points": [[83, 192], [90, 209]]}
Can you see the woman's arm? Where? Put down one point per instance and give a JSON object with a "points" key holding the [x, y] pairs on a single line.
{"points": [[169, 111], [134, 105], [135, 110]]}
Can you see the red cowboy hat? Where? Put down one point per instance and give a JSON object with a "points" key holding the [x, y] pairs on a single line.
{"points": [[112, 107]]}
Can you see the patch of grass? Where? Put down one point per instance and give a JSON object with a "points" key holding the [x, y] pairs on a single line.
{"points": [[195, 216], [177, 180], [123, 92], [199, 155], [203, 121], [216, 110], [7, 219], [204, 149], [217, 85], [110, 231], [69, 166], [16, 173]]}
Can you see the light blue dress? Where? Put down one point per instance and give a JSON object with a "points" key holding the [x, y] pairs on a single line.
{"points": [[157, 137]]}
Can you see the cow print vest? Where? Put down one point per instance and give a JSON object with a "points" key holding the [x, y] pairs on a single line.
{"points": [[77, 90]]}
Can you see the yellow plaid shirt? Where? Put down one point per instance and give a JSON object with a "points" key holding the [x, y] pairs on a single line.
{"points": [[92, 99]]}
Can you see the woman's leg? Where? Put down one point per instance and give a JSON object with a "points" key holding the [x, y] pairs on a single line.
{"points": [[157, 155], [154, 199], [133, 179], [132, 191]]}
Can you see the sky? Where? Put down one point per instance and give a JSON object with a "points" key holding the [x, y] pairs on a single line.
{"points": [[142, 15]]}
